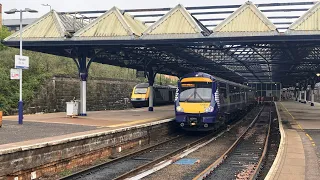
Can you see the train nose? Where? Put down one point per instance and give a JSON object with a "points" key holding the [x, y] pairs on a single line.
{"points": [[181, 124]]}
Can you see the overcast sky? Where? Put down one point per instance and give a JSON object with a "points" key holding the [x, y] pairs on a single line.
{"points": [[78, 5]]}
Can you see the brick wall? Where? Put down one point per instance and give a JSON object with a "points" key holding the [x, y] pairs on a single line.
{"points": [[102, 94]]}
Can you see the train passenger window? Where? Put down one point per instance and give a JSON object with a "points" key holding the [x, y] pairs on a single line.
{"points": [[223, 90]]}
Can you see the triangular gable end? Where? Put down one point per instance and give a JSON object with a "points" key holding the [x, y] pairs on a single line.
{"points": [[177, 23], [110, 25], [247, 20], [136, 26], [308, 23], [49, 26]]}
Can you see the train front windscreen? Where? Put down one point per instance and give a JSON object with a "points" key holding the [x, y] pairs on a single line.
{"points": [[196, 92], [141, 90]]}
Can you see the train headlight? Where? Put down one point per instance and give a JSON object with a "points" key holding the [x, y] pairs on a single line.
{"points": [[209, 109], [179, 109]]}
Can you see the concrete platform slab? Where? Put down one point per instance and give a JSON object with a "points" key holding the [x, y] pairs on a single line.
{"points": [[56, 126], [52, 155], [12, 132], [298, 154], [116, 118]]}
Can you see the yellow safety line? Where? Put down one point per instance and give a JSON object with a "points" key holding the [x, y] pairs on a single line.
{"points": [[294, 119], [310, 138], [287, 111]]}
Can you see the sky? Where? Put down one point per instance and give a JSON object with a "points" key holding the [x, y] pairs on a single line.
{"points": [[78, 5]]}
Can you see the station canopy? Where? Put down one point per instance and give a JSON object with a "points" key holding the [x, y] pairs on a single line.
{"points": [[272, 42]]}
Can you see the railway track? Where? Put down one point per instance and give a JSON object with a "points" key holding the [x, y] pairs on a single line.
{"points": [[132, 165], [129, 164], [244, 159]]}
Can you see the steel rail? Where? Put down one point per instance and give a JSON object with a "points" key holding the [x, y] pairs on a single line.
{"points": [[90, 169], [265, 149], [224, 156], [167, 156], [138, 174]]}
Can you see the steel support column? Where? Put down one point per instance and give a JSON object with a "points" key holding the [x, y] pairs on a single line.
{"points": [[151, 76], [305, 97], [83, 74], [313, 83], [312, 97], [299, 96]]}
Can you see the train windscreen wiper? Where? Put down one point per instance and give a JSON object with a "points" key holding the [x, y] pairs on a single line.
{"points": [[199, 96]]}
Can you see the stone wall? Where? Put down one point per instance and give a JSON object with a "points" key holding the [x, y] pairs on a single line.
{"points": [[102, 94], [50, 158]]}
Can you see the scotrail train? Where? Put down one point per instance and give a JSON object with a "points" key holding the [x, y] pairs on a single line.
{"points": [[204, 102], [161, 95]]}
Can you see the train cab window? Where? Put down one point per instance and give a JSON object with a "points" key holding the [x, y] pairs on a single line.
{"points": [[196, 92], [140, 90]]}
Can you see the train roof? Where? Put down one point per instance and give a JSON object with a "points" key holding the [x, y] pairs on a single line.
{"points": [[214, 78], [145, 85]]}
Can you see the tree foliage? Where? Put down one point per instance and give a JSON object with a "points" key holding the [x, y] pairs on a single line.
{"points": [[4, 32]]}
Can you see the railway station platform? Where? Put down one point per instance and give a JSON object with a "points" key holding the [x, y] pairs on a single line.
{"points": [[54, 142], [299, 151], [56, 125]]}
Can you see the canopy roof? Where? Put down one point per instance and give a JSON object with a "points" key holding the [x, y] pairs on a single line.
{"points": [[248, 45]]}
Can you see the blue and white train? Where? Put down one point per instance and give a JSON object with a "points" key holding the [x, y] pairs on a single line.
{"points": [[205, 102]]}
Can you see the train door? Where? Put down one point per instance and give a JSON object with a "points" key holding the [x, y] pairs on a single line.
{"points": [[170, 95], [223, 96]]}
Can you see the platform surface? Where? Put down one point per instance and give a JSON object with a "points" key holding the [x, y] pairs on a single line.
{"points": [[40, 128], [300, 156]]}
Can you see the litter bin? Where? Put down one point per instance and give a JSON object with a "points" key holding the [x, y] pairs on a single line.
{"points": [[72, 108]]}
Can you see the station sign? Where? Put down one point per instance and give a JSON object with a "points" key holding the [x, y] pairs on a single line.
{"points": [[14, 73], [21, 62]]}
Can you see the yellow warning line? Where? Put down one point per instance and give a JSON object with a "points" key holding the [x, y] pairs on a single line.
{"points": [[310, 138], [294, 119], [287, 111]]}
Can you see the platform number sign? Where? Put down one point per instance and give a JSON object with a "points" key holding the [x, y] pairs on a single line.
{"points": [[21, 62]]}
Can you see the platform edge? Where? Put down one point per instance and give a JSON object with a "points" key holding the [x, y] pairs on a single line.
{"points": [[76, 138], [282, 146]]}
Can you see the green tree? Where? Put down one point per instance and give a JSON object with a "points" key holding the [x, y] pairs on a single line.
{"points": [[4, 32]]}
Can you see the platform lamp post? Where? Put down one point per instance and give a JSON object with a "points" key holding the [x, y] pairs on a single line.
{"points": [[20, 104]]}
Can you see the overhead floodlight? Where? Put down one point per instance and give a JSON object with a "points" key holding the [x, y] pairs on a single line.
{"points": [[12, 11], [30, 10], [47, 5]]}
